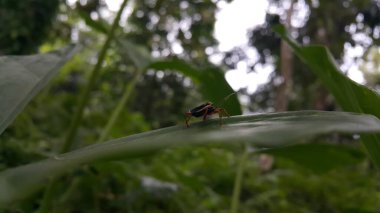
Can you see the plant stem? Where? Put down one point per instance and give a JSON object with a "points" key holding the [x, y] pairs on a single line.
{"points": [[46, 203], [83, 99], [85, 96], [238, 181], [116, 113]]}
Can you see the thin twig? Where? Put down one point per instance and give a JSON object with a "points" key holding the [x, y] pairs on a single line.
{"points": [[238, 181], [85, 96], [119, 108], [47, 200]]}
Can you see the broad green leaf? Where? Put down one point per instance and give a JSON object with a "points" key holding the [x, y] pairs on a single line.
{"points": [[97, 25], [139, 55], [263, 131], [211, 80], [213, 85], [22, 77], [351, 96], [176, 64], [319, 157]]}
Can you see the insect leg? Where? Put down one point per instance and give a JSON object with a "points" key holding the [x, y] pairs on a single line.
{"points": [[225, 113], [187, 118], [222, 112], [205, 114]]}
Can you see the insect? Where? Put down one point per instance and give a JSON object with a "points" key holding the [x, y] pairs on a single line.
{"points": [[205, 110]]}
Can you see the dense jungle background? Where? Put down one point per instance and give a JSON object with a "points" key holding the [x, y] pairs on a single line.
{"points": [[187, 179]]}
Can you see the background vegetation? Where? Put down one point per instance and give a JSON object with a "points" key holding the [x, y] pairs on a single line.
{"points": [[143, 83]]}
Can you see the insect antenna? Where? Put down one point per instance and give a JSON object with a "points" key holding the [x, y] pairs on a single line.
{"points": [[225, 99]]}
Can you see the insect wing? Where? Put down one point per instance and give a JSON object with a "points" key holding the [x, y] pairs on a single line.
{"points": [[199, 110]]}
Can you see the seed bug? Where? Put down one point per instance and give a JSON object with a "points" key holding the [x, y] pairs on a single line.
{"points": [[205, 110]]}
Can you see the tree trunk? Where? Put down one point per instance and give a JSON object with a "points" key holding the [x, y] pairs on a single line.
{"points": [[286, 68]]}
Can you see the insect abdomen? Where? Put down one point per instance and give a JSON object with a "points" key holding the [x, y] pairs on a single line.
{"points": [[200, 110]]}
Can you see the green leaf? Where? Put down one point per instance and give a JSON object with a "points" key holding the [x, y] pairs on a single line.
{"points": [[265, 130], [22, 77], [213, 85], [139, 55], [351, 96], [319, 157], [100, 26]]}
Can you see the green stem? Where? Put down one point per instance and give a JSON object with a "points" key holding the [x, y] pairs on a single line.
{"points": [[119, 108], [238, 181], [46, 203], [85, 96]]}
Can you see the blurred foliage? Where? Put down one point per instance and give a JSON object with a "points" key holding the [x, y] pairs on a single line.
{"points": [[352, 97], [370, 66], [24, 25], [172, 27], [338, 33], [186, 179]]}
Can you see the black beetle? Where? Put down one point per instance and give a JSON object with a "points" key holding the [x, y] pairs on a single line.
{"points": [[205, 110]]}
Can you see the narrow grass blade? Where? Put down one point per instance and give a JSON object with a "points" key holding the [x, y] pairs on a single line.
{"points": [[265, 130]]}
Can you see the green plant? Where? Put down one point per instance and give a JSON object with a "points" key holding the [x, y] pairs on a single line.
{"points": [[263, 132], [351, 96], [268, 131]]}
